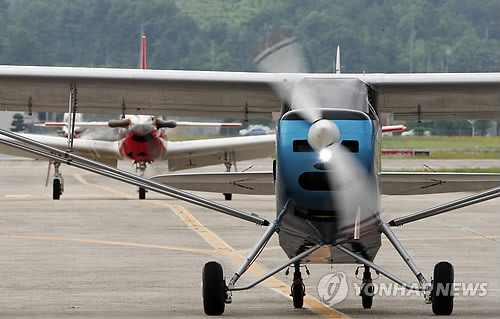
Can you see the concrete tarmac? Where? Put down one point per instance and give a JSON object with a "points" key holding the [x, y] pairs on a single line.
{"points": [[100, 252]]}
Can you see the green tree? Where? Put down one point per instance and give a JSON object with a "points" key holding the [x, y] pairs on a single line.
{"points": [[17, 123]]}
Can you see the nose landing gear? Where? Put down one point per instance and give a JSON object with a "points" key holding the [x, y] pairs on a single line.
{"points": [[141, 167], [367, 290], [57, 183], [298, 289]]}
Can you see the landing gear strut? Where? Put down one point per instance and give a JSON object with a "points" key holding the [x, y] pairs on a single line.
{"points": [[228, 162], [141, 167], [298, 289], [57, 183]]}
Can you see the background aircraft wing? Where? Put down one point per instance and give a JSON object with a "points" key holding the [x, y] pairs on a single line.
{"points": [[191, 154], [102, 151], [414, 183], [252, 183]]}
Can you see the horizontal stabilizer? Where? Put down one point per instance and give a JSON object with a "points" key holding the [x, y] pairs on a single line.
{"points": [[414, 183], [207, 124], [80, 124], [250, 183]]}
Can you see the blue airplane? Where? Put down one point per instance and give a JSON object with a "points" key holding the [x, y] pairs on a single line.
{"points": [[326, 176]]}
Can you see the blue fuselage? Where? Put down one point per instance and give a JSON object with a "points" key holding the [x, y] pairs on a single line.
{"points": [[304, 190]]}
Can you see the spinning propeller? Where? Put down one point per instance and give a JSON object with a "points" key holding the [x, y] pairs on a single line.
{"points": [[355, 195]]}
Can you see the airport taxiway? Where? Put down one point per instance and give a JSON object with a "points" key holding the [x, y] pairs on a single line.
{"points": [[100, 252]]}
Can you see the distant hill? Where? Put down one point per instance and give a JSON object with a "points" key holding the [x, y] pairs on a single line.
{"points": [[375, 35]]}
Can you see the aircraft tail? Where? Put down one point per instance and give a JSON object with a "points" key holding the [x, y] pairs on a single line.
{"points": [[143, 53]]}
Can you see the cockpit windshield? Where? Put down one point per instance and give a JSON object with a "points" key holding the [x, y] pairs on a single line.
{"points": [[349, 94]]}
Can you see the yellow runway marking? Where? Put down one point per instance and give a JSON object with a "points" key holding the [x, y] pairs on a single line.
{"points": [[221, 246], [112, 242]]}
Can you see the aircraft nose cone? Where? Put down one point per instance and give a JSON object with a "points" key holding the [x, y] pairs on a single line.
{"points": [[322, 134]]}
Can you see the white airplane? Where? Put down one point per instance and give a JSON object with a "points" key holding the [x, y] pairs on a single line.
{"points": [[326, 176], [143, 140]]}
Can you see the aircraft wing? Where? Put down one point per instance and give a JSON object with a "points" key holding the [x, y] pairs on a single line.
{"points": [[197, 153], [250, 183], [392, 183], [438, 96], [414, 183], [132, 91], [102, 151], [241, 95]]}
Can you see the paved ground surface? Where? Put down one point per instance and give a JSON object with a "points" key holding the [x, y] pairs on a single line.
{"points": [[100, 252]]}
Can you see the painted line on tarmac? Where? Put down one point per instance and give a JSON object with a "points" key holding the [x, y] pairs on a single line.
{"points": [[221, 246], [113, 242]]}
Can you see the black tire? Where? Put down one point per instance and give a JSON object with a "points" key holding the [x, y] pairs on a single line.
{"points": [[228, 196], [142, 193], [442, 289], [56, 189], [214, 289], [298, 293], [367, 295]]}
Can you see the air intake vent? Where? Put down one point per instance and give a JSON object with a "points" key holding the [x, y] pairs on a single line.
{"points": [[352, 146], [314, 181], [317, 215], [302, 146]]}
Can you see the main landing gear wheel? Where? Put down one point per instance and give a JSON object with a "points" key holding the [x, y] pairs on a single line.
{"points": [[367, 289], [214, 289], [142, 193], [442, 289], [298, 290], [227, 196], [56, 189]]}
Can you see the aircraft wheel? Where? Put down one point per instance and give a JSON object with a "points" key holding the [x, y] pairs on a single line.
{"points": [[228, 196], [56, 189], [214, 289], [298, 293], [142, 193], [442, 289], [367, 295]]}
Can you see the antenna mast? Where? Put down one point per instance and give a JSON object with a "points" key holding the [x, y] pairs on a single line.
{"points": [[337, 61]]}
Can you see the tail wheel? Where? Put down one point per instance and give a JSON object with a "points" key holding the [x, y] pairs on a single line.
{"points": [[214, 289], [442, 289], [298, 293], [142, 193], [367, 295], [56, 189]]}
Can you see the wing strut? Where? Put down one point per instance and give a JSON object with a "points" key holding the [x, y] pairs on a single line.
{"points": [[72, 116], [459, 203], [81, 162]]}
